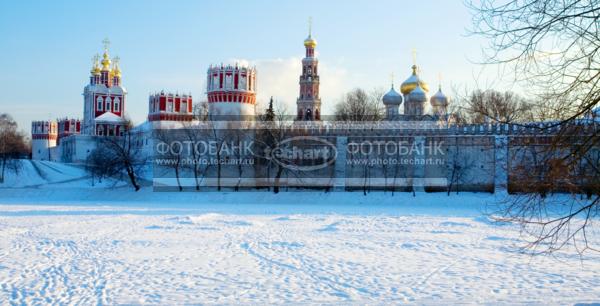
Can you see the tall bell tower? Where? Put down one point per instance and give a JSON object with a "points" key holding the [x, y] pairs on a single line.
{"points": [[309, 100]]}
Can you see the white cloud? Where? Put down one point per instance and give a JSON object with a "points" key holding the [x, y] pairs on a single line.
{"points": [[279, 78]]}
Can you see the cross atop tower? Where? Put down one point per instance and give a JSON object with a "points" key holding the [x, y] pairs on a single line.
{"points": [[392, 78], [106, 44], [309, 26], [414, 56]]}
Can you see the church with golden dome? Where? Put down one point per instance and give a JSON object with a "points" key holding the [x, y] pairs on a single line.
{"points": [[413, 94], [423, 153]]}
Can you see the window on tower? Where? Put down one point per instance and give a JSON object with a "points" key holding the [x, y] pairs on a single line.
{"points": [[183, 107], [117, 105], [107, 104], [100, 102]]}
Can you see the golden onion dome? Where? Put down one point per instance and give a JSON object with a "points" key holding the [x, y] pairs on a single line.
{"points": [[105, 61], [116, 71], [95, 65], [411, 83], [309, 42]]}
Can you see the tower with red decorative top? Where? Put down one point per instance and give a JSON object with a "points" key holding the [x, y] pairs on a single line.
{"points": [[44, 135], [104, 98], [170, 107], [309, 100], [68, 127], [231, 92]]}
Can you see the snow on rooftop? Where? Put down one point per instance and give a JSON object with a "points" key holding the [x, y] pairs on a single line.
{"points": [[109, 117]]}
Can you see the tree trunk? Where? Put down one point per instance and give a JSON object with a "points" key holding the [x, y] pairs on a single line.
{"points": [[277, 179], [132, 178], [2, 172], [177, 175]]}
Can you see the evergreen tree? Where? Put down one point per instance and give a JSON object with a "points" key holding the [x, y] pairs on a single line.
{"points": [[270, 114]]}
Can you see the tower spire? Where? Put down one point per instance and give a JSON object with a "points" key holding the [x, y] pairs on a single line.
{"points": [[309, 102], [106, 44], [105, 56], [392, 79], [414, 59]]}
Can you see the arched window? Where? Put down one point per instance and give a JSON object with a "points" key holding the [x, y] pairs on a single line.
{"points": [[117, 105], [107, 104], [100, 131], [99, 103], [183, 107], [309, 114]]}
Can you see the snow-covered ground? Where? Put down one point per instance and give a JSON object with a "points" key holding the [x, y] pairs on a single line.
{"points": [[68, 243]]}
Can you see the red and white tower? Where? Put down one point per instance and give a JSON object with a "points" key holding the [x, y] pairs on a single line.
{"points": [[170, 107], [68, 127], [309, 101], [43, 137], [231, 92], [104, 98]]}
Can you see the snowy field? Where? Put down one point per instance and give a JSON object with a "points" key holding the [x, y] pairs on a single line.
{"points": [[64, 243]]}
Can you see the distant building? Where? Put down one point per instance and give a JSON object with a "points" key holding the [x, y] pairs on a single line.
{"points": [[170, 107], [104, 99], [231, 91], [44, 135], [308, 103], [483, 153]]}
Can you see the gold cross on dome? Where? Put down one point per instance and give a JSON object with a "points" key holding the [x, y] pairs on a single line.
{"points": [[414, 56], [116, 60], [95, 59], [392, 78], [106, 43], [309, 26]]}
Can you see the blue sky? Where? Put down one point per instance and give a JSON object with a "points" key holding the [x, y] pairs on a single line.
{"points": [[47, 48]]}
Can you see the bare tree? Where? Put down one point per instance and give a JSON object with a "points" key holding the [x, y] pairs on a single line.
{"points": [[200, 111], [101, 164], [174, 155], [554, 49], [272, 133], [193, 134], [124, 153], [12, 145], [359, 105], [459, 166], [491, 106]]}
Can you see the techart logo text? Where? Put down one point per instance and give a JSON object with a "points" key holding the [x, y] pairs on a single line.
{"points": [[303, 153]]}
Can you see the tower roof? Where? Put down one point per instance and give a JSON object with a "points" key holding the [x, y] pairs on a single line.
{"points": [[392, 97], [439, 99], [411, 83], [310, 42], [417, 94]]}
